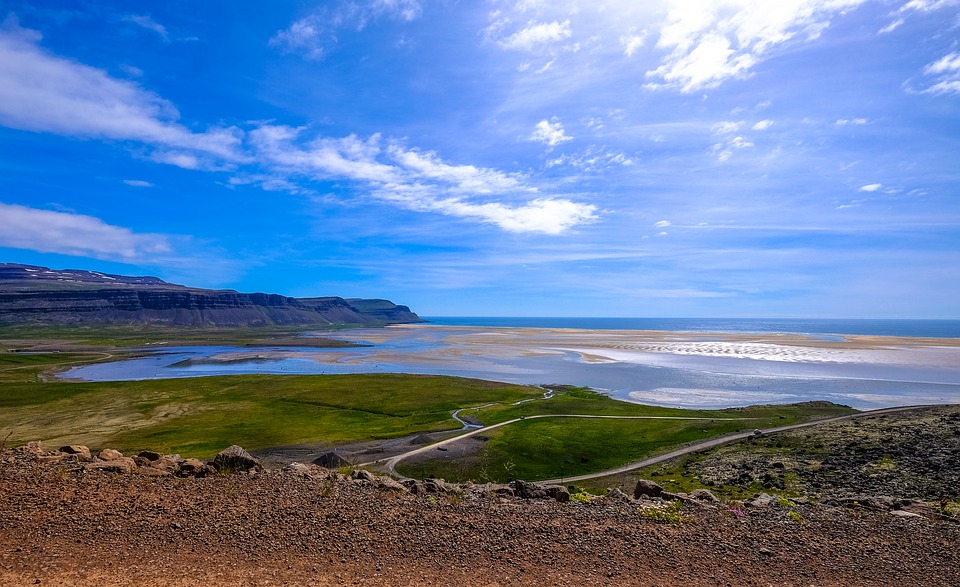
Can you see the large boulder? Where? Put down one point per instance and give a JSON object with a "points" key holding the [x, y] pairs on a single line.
{"points": [[526, 490], [235, 459], [123, 465], [558, 493], [194, 468], [81, 452], [108, 454], [647, 488]]}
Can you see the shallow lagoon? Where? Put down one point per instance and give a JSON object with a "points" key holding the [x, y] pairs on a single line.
{"points": [[668, 369]]}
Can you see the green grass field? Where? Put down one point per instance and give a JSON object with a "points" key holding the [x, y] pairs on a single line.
{"points": [[547, 448], [200, 416]]}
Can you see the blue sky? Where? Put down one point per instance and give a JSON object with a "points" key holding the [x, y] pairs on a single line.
{"points": [[798, 158]]}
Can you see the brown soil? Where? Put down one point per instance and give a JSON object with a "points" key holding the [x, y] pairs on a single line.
{"points": [[60, 525]]}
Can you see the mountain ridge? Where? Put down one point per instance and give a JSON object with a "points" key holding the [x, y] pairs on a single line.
{"points": [[31, 294]]}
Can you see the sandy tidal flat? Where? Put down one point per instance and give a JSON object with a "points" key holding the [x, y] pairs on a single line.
{"points": [[667, 368]]}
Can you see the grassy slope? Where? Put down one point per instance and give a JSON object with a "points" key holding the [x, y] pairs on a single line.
{"points": [[550, 448], [201, 416]]}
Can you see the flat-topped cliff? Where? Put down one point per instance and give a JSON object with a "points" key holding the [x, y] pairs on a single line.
{"points": [[30, 294]]}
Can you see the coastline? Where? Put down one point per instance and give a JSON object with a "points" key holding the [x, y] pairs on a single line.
{"points": [[677, 369]]}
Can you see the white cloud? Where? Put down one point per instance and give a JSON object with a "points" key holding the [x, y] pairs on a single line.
{"points": [[550, 133], [45, 93], [947, 64], [892, 26], [307, 36], [538, 34], [544, 215], [854, 121], [314, 35], [728, 127], [593, 158], [661, 224], [632, 43], [75, 234], [763, 125], [947, 73], [711, 41], [149, 24], [871, 187], [928, 5], [418, 180], [138, 183]]}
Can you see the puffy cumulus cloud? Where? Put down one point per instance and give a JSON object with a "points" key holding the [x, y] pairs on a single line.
{"points": [[946, 70], [47, 231], [314, 35], [710, 41], [872, 187], [550, 133], [45, 93], [419, 180]]}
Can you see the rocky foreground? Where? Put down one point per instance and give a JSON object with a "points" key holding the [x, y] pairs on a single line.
{"points": [[68, 517]]}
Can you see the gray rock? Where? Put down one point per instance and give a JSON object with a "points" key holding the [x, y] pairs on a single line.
{"points": [[331, 460], [764, 500], [362, 475], [617, 496], [527, 490], [904, 514], [558, 493], [194, 468], [647, 488], [703, 495], [235, 459]]}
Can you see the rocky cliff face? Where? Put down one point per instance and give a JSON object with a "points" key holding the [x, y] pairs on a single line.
{"points": [[39, 295]]}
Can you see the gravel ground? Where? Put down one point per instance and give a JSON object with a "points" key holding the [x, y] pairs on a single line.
{"points": [[62, 525]]}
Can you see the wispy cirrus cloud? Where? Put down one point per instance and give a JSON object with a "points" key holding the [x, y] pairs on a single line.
{"points": [[420, 180], [45, 93], [149, 24], [315, 35], [946, 72]]}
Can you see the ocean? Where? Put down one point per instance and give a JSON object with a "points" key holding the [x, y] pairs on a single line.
{"points": [[808, 326]]}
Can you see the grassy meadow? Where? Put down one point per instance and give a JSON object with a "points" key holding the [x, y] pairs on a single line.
{"points": [[201, 416]]}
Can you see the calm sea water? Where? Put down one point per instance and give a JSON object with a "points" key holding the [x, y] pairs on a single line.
{"points": [[913, 328]]}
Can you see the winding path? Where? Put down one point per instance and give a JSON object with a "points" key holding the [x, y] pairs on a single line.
{"points": [[389, 464], [714, 442]]}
